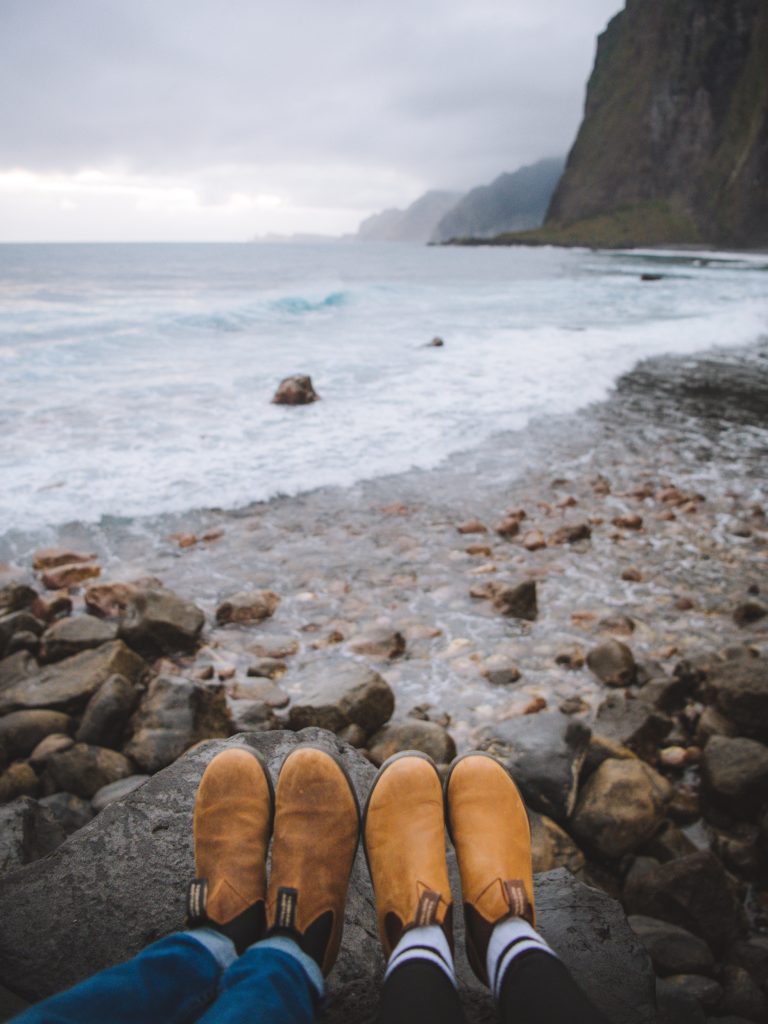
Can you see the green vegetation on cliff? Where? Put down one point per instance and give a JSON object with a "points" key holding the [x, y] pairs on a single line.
{"points": [[651, 223]]}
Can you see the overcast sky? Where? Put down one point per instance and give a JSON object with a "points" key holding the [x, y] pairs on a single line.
{"points": [[222, 119]]}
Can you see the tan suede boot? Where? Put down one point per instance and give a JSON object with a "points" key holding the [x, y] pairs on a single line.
{"points": [[404, 839], [232, 825], [317, 827], [489, 829]]}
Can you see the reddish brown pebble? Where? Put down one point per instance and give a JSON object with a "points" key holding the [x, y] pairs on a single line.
{"points": [[571, 534], [683, 604], [534, 540], [670, 496], [184, 540], [508, 527], [537, 704], [582, 619], [212, 535], [632, 575], [629, 522], [473, 526], [109, 600], [479, 549], [51, 558], [65, 576]]}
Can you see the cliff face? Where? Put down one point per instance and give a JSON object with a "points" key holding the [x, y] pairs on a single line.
{"points": [[512, 202], [674, 141]]}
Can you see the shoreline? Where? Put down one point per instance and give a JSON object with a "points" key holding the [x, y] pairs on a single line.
{"points": [[640, 522], [385, 554]]}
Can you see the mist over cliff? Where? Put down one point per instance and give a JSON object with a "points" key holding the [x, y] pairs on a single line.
{"points": [[512, 202], [673, 146], [416, 223]]}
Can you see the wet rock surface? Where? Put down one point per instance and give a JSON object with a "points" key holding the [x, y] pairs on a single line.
{"points": [[673, 950], [174, 714], [429, 737], [72, 635], [68, 684], [296, 390], [142, 848], [28, 831], [343, 694], [21, 731], [389, 556], [620, 806], [160, 622], [544, 755]]}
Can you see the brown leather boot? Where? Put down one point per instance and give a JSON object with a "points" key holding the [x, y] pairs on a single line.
{"points": [[489, 829], [317, 827], [231, 825], [404, 839]]}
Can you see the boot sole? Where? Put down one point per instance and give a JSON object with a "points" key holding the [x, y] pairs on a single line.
{"points": [[379, 773]]}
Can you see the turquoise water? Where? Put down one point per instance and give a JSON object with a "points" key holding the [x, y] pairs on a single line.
{"points": [[136, 379]]}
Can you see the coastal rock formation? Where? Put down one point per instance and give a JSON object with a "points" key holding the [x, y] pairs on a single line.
{"points": [[622, 804], [297, 390], [157, 621], [343, 694], [512, 202], [613, 663], [247, 606], [674, 142], [545, 754], [68, 684], [672, 949], [140, 850], [174, 714], [72, 635], [428, 737]]}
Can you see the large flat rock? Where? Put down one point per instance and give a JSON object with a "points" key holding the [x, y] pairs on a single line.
{"points": [[120, 883], [67, 685]]}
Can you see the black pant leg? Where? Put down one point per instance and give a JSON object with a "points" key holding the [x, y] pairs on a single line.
{"points": [[538, 989], [419, 992]]}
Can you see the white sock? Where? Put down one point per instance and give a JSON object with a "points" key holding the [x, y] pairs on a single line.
{"points": [[509, 939], [424, 943]]}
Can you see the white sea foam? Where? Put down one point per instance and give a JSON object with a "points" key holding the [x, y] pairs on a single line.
{"points": [[137, 380]]}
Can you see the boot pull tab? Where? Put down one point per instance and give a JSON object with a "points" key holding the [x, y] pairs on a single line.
{"points": [[517, 898], [285, 914], [426, 912]]}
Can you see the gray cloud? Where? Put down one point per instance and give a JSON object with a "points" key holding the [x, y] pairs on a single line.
{"points": [[246, 94]]}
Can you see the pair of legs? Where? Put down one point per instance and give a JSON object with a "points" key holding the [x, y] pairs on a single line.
{"points": [[258, 949]]}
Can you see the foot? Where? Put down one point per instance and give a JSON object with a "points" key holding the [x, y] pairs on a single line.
{"points": [[489, 829], [404, 838], [317, 826], [232, 824]]}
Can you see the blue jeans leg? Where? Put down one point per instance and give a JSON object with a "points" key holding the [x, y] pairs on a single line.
{"points": [[273, 982], [170, 982]]}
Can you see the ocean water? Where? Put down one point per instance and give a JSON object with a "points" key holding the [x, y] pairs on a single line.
{"points": [[136, 379]]}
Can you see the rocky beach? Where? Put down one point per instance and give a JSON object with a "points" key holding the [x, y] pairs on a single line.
{"points": [[586, 598]]}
